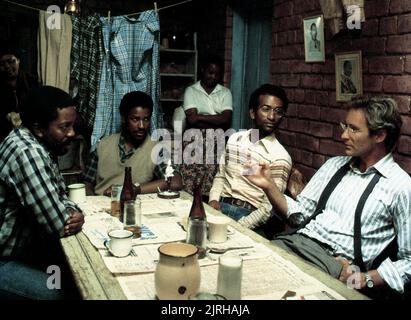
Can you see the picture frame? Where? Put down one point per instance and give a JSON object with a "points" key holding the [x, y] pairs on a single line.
{"points": [[314, 40], [348, 75]]}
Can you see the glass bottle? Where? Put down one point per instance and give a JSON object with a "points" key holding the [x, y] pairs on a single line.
{"points": [[197, 224], [128, 192]]}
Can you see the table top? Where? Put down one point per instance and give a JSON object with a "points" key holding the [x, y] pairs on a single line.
{"points": [[96, 282]]}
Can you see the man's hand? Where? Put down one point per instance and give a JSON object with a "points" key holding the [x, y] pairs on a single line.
{"points": [[74, 223], [259, 174], [107, 192], [346, 271], [215, 204]]}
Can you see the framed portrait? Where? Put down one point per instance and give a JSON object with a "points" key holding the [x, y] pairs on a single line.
{"points": [[348, 75], [314, 39]]}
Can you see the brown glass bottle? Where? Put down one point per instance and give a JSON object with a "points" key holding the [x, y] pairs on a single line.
{"points": [[128, 192], [197, 224]]}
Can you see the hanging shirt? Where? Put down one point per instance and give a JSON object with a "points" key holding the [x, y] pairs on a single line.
{"points": [[54, 48], [86, 61], [130, 63]]}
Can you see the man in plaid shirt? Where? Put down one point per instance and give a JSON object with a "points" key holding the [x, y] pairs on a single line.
{"points": [[34, 209], [134, 147]]}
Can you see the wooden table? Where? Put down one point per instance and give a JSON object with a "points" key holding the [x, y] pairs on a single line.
{"points": [[96, 282]]}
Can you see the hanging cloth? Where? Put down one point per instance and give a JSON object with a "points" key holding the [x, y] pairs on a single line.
{"points": [[130, 63], [54, 47], [86, 62]]}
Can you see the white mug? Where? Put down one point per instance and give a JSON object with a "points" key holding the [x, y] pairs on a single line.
{"points": [[217, 228], [120, 244], [77, 192]]}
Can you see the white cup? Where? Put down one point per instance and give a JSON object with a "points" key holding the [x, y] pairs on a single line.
{"points": [[120, 244], [217, 228], [230, 272], [77, 192]]}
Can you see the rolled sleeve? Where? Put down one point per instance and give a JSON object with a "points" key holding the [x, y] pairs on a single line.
{"points": [[389, 271], [294, 212]]}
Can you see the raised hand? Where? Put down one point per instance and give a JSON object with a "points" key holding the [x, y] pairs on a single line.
{"points": [[259, 174]]}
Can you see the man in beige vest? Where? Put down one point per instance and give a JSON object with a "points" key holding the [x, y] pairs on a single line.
{"points": [[132, 147]]}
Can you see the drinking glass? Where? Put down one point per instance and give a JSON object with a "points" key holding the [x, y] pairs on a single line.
{"points": [[115, 200], [230, 271], [132, 217]]}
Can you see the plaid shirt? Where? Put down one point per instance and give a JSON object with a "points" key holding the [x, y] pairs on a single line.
{"points": [[33, 200], [131, 63], [86, 61], [91, 169]]}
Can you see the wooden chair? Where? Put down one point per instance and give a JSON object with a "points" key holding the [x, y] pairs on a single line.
{"points": [[276, 224]]}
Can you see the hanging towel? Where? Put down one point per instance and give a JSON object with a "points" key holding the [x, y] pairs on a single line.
{"points": [[130, 63], [54, 47], [86, 63]]}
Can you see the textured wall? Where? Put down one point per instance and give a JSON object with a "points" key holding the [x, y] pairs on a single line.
{"points": [[311, 132]]}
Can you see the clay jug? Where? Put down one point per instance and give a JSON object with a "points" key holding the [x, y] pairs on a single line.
{"points": [[177, 274]]}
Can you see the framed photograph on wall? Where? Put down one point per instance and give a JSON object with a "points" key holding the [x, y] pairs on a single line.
{"points": [[314, 39], [348, 75]]}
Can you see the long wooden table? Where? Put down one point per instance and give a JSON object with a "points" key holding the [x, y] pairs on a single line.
{"points": [[96, 282]]}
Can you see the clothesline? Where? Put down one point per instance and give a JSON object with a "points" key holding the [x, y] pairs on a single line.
{"points": [[21, 5], [131, 14]]}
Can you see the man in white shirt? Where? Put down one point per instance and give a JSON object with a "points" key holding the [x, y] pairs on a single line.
{"points": [[208, 106], [231, 192], [367, 208]]}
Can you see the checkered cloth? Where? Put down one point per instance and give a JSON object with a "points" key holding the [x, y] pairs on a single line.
{"points": [[86, 62], [131, 62], [33, 200]]}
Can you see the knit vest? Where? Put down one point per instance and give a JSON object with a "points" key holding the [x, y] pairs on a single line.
{"points": [[110, 170]]}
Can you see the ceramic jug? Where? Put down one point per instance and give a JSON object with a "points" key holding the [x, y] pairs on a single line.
{"points": [[177, 274]]}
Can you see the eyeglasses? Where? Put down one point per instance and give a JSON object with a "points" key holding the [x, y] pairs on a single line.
{"points": [[280, 112], [350, 129]]}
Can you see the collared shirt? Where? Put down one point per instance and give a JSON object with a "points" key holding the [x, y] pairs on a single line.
{"points": [[130, 63], [91, 170], [86, 63], [219, 100], [386, 214], [230, 181], [33, 200]]}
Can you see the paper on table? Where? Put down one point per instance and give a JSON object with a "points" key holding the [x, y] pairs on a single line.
{"points": [[143, 259], [263, 279], [150, 204], [269, 279], [96, 229]]}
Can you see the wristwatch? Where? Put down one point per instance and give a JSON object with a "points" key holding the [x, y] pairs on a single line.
{"points": [[369, 282]]}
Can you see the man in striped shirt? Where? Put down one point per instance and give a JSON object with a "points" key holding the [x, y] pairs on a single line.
{"points": [[330, 240], [231, 192], [34, 209]]}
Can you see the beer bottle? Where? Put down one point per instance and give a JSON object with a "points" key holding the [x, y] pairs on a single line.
{"points": [[197, 223], [128, 192]]}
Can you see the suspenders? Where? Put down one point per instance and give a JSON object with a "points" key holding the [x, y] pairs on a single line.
{"points": [[358, 261], [322, 201], [323, 198]]}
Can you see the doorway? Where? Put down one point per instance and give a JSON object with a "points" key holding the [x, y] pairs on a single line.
{"points": [[251, 54]]}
